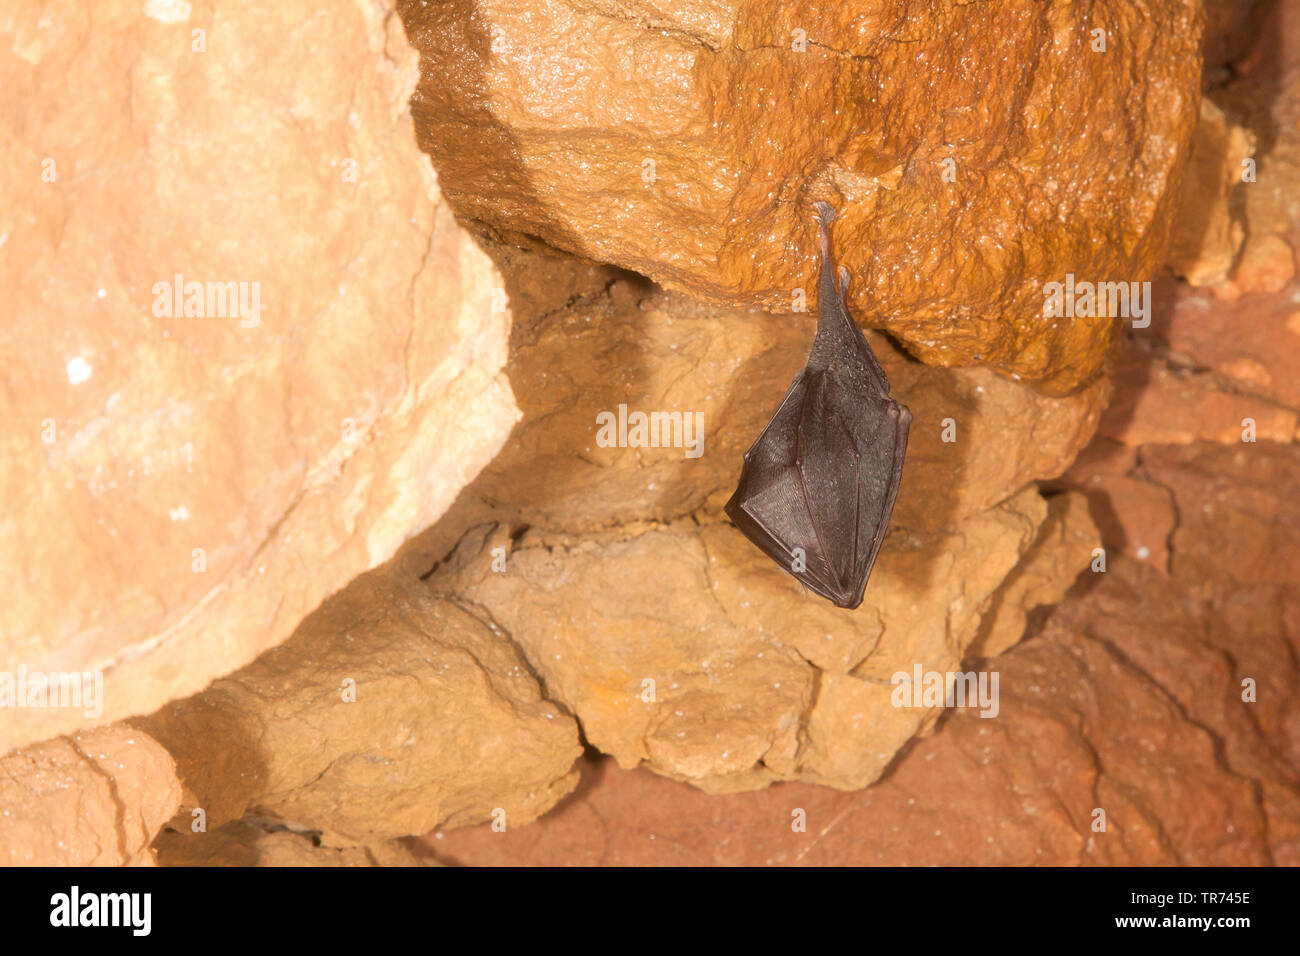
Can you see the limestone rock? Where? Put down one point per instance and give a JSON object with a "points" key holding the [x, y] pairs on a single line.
{"points": [[1209, 230], [682, 647], [386, 714], [192, 485], [592, 345], [1158, 402], [95, 798], [972, 150], [1267, 265], [246, 843], [1045, 573], [1119, 705], [1249, 346], [619, 560]]}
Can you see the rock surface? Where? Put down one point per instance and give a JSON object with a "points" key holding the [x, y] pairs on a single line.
{"points": [[193, 485], [1134, 695], [576, 589], [684, 648], [974, 150], [245, 843], [386, 714], [96, 798], [1128, 700], [1209, 230], [611, 567], [586, 343]]}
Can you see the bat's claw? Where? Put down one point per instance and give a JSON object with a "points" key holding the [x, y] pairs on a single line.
{"points": [[825, 215]]}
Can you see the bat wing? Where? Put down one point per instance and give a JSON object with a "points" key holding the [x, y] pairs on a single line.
{"points": [[818, 485]]}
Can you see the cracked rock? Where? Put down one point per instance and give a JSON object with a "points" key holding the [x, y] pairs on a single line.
{"points": [[975, 151], [95, 798], [388, 713]]}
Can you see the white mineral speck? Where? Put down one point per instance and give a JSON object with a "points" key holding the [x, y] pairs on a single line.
{"points": [[78, 370]]}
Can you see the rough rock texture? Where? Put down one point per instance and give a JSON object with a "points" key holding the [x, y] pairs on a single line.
{"points": [[1128, 696], [597, 341], [1159, 400], [445, 725], [617, 566], [1209, 230], [96, 798], [192, 486], [246, 843], [1043, 576], [752, 681], [1128, 700], [1262, 93], [976, 151]]}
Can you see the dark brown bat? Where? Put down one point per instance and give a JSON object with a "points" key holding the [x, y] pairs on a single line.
{"points": [[818, 485]]}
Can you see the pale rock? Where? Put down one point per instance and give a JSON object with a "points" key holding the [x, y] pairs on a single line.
{"points": [[192, 486]]}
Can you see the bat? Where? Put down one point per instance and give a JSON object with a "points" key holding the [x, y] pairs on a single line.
{"points": [[818, 485]]}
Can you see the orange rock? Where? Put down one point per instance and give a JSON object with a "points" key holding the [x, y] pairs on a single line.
{"points": [[977, 791], [1157, 405], [250, 843], [96, 798], [1135, 517], [1267, 265], [1208, 233], [387, 713], [685, 143], [1066, 542], [580, 351], [681, 647]]}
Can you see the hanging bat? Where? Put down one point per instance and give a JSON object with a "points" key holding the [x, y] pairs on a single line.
{"points": [[818, 485]]}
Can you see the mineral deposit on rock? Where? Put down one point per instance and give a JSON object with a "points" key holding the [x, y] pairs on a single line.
{"points": [[976, 150]]}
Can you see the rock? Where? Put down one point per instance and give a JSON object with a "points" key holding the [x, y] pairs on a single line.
{"points": [[685, 143], [386, 714], [684, 648], [246, 843], [1230, 26], [1209, 231], [619, 559], [1082, 727], [1157, 402], [1250, 346], [1267, 265], [1228, 653], [591, 346], [1135, 517], [1264, 96], [95, 798], [192, 486], [1046, 572]]}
